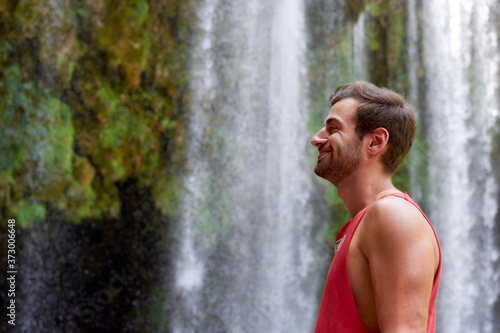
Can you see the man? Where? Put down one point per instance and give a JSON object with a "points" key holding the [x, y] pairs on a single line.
{"points": [[385, 273]]}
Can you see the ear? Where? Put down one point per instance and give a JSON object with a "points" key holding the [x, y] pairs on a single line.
{"points": [[377, 140]]}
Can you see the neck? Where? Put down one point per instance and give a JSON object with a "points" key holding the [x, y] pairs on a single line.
{"points": [[362, 189]]}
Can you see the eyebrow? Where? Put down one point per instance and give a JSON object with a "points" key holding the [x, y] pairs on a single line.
{"points": [[332, 120]]}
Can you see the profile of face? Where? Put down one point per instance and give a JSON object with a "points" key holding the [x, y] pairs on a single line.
{"points": [[338, 144]]}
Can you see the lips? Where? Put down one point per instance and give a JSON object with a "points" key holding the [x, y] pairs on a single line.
{"points": [[323, 152]]}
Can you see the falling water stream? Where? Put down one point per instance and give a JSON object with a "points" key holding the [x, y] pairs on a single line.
{"points": [[461, 64], [246, 261]]}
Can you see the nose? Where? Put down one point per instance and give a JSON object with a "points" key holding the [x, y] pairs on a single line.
{"points": [[319, 138]]}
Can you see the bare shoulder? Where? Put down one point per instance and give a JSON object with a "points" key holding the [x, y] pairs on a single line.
{"points": [[395, 221], [394, 213]]}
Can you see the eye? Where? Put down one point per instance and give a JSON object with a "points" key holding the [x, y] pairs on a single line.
{"points": [[331, 129]]}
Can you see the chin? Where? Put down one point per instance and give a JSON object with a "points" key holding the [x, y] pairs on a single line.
{"points": [[318, 171], [326, 174], [321, 172]]}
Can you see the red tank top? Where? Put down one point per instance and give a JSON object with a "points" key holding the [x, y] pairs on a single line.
{"points": [[338, 312]]}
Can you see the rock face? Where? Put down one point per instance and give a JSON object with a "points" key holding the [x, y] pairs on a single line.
{"points": [[94, 99], [104, 82]]}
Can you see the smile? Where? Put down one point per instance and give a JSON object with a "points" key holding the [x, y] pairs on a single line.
{"points": [[323, 153]]}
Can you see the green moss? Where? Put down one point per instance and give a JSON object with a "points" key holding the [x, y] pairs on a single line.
{"points": [[59, 139], [36, 152], [140, 12], [386, 33], [83, 171], [125, 37], [27, 212], [165, 194], [353, 8], [111, 108], [20, 18], [65, 66]]}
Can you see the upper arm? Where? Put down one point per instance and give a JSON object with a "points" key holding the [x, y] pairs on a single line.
{"points": [[400, 248]]}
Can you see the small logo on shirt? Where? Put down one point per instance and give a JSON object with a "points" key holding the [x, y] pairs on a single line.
{"points": [[338, 244]]}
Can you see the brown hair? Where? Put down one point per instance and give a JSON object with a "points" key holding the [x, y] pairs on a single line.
{"points": [[381, 107]]}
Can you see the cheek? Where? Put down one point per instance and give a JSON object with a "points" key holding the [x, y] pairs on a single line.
{"points": [[334, 140], [335, 145]]}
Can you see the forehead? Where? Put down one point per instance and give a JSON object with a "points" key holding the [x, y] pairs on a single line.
{"points": [[344, 112]]}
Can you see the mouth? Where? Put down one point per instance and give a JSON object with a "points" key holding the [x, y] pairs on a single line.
{"points": [[323, 153]]}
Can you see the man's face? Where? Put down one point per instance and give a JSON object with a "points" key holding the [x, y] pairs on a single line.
{"points": [[338, 144]]}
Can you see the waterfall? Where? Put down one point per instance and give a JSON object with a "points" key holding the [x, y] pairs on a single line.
{"points": [[246, 251], [360, 54], [246, 257], [461, 66]]}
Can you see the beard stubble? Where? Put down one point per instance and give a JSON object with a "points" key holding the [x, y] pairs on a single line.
{"points": [[337, 168]]}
